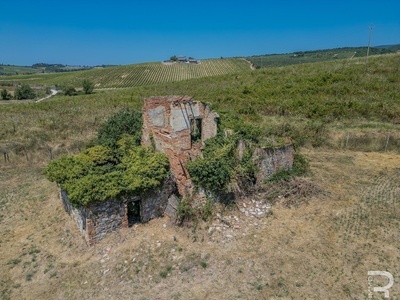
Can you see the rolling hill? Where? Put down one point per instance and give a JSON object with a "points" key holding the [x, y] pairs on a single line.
{"points": [[301, 57], [144, 74], [134, 75]]}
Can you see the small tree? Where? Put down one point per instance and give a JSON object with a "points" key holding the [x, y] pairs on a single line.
{"points": [[88, 86], [174, 58], [5, 95], [24, 92]]}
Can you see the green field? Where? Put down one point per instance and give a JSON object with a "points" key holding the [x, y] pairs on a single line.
{"points": [[134, 75]]}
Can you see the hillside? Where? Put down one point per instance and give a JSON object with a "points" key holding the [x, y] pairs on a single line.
{"points": [[106, 77], [134, 75], [38, 69], [321, 235], [301, 57]]}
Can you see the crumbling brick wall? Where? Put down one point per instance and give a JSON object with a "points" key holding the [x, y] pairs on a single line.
{"points": [[171, 123]]}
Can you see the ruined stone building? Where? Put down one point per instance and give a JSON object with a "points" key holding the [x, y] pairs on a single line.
{"points": [[177, 126]]}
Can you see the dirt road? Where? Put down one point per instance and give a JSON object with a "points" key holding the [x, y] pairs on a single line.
{"points": [[53, 92]]}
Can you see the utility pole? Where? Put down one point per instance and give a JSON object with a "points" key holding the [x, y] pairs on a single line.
{"points": [[371, 27]]}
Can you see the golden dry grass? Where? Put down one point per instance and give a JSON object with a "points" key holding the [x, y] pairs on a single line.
{"points": [[319, 250]]}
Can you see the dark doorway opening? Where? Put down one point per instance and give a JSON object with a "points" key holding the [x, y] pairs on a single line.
{"points": [[133, 213]]}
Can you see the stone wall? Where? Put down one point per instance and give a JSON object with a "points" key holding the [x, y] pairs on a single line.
{"points": [[99, 219], [153, 203], [169, 124], [271, 160], [77, 214], [104, 218]]}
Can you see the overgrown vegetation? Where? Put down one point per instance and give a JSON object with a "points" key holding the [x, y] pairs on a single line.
{"points": [[24, 92], [114, 168], [215, 169], [126, 121], [227, 168], [100, 173], [88, 86], [5, 95]]}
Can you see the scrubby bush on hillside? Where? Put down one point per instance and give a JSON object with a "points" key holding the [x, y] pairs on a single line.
{"points": [[69, 90], [24, 92], [88, 86], [5, 95]]}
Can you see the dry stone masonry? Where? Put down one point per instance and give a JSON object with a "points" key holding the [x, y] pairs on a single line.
{"points": [[269, 160], [99, 219]]}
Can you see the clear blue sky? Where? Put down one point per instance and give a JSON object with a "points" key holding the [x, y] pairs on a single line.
{"points": [[88, 32]]}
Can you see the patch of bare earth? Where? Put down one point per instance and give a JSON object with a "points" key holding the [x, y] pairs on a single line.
{"points": [[317, 240]]}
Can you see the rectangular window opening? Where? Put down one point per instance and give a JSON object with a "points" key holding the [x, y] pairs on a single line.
{"points": [[195, 130]]}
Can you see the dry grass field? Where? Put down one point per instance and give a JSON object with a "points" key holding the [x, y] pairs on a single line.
{"points": [[320, 249]]}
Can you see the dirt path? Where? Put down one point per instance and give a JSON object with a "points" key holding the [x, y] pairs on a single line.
{"points": [[53, 92], [250, 63]]}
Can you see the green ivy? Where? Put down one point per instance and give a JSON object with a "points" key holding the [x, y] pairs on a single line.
{"points": [[100, 173], [144, 169]]}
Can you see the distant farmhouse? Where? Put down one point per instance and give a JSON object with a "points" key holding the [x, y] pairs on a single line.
{"points": [[181, 59]]}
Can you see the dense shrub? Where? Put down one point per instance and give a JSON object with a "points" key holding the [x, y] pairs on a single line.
{"points": [[69, 90], [115, 167], [101, 173], [88, 86], [126, 121], [24, 92], [220, 164], [210, 173], [144, 169], [5, 95]]}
